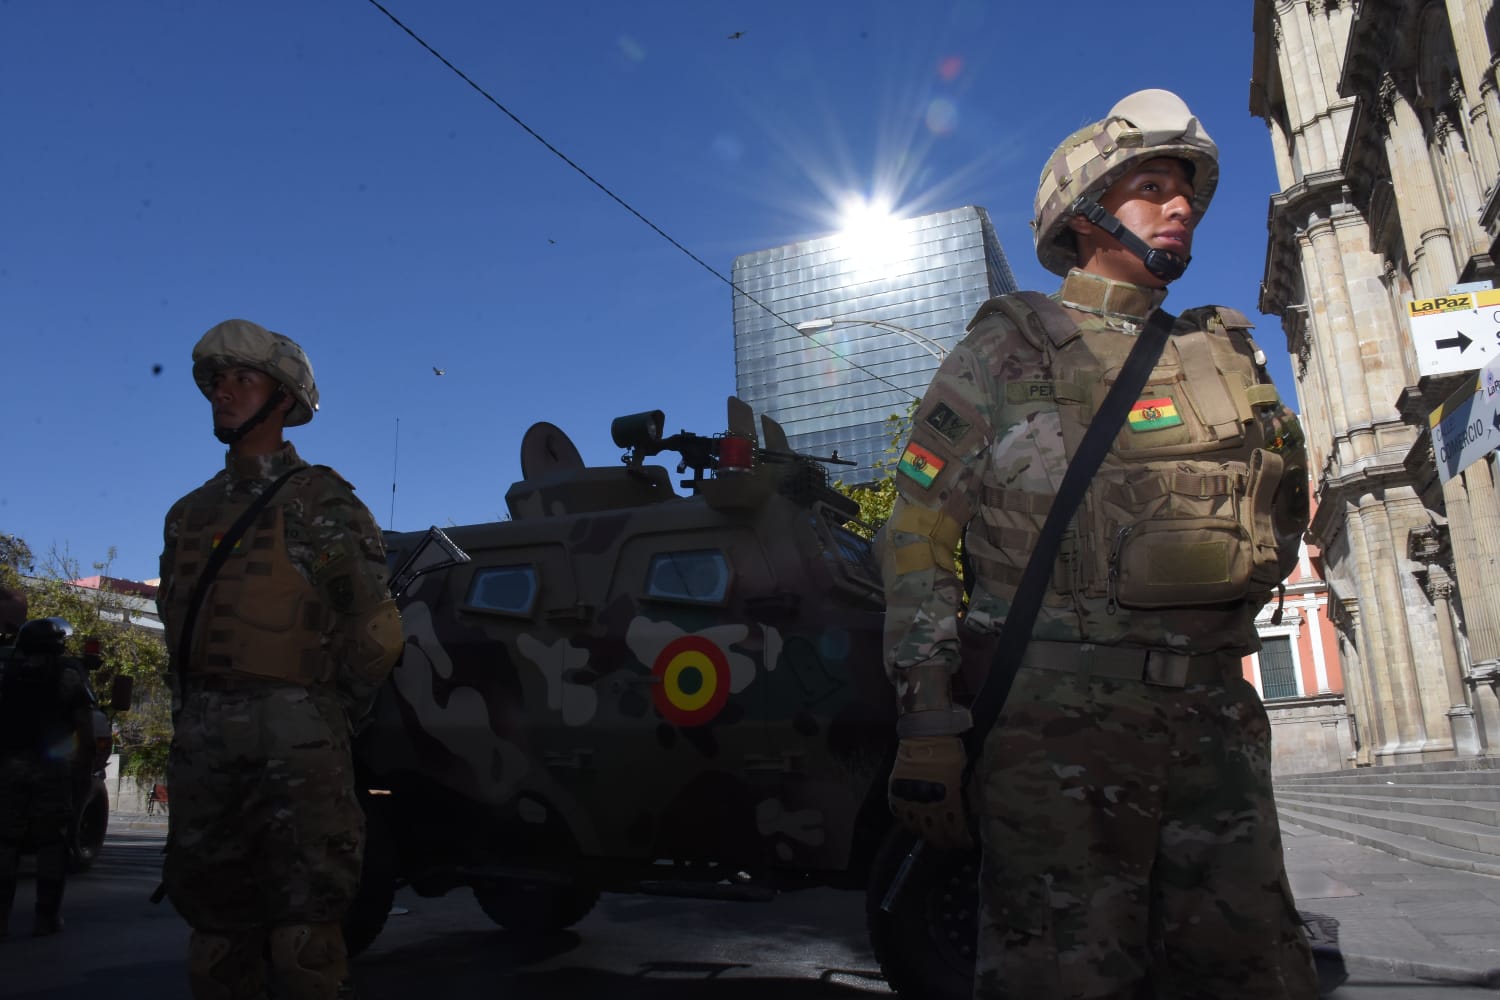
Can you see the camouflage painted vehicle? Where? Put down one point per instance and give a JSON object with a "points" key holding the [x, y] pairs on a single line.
{"points": [[628, 689]]}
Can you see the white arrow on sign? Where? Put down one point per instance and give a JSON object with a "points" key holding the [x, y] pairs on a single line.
{"points": [[1458, 332], [1467, 426]]}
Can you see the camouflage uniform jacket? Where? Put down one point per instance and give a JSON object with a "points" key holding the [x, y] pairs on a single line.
{"points": [[337, 572], [1193, 471]]}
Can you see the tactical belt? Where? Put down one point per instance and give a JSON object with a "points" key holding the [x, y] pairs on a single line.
{"points": [[1152, 666]]}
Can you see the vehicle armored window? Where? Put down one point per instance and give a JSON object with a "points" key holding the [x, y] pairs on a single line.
{"points": [[700, 577], [511, 590]]}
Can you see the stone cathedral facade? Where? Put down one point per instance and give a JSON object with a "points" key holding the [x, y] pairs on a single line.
{"points": [[1384, 116]]}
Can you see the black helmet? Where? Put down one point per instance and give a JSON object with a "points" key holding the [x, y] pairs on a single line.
{"points": [[43, 636]]}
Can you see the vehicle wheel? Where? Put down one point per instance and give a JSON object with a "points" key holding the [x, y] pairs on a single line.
{"points": [[925, 946], [365, 918], [535, 907], [90, 824]]}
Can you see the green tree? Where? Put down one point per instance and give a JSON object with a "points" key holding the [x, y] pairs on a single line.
{"points": [[875, 499], [16, 558], [127, 649]]}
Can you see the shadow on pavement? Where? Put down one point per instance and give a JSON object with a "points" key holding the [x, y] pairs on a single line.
{"points": [[1323, 935], [495, 963]]}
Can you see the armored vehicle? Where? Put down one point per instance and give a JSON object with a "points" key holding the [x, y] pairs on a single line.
{"points": [[625, 688]]}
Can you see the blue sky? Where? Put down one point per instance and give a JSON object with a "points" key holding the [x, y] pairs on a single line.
{"points": [[167, 164]]}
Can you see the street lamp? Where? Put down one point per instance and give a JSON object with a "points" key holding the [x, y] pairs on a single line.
{"points": [[826, 322]]}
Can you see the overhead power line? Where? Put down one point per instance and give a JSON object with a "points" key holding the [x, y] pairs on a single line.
{"points": [[622, 202]]}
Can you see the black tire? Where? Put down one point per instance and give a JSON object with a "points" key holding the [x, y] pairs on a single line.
{"points": [[365, 918], [90, 824], [535, 907], [925, 946]]}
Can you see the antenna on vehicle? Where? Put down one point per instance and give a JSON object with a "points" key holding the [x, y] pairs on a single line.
{"points": [[395, 456]]}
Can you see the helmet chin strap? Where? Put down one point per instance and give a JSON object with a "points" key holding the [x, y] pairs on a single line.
{"points": [[1164, 264], [230, 435]]}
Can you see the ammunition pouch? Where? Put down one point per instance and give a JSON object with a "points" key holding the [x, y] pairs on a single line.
{"points": [[1194, 533]]}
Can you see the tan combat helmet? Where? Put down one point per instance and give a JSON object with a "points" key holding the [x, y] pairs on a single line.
{"points": [[1143, 126], [241, 342]]}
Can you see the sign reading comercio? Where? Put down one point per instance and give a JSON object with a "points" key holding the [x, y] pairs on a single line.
{"points": [[1466, 428]]}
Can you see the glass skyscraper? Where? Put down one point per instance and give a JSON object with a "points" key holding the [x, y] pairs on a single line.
{"points": [[832, 336]]}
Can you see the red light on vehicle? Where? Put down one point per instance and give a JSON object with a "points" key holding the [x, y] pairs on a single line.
{"points": [[736, 454], [91, 647]]}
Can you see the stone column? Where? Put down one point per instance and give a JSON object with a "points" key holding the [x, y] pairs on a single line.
{"points": [[1481, 595], [1467, 17], [1341, 336], [1321, 69], [1290, 58], [1281, 152], [1359, 689], [1481, 619], [1484, 694], [1383, 648], [1456, 170], [1334, 748], [1318, 334], [1422, 220], [1460, 717]]}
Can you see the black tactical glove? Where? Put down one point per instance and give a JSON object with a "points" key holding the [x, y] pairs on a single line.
{"points": [[926, 790]]}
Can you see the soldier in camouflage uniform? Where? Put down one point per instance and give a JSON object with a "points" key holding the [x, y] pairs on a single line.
{"points": [[289, 643], [46, 737], [1129, 837]]}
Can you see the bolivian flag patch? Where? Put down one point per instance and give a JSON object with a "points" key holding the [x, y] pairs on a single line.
{"points": [[219, 537], [1154, 414], [920, 464]]}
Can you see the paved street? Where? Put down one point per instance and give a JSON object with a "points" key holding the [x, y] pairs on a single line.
{"points": [[807, 946]]}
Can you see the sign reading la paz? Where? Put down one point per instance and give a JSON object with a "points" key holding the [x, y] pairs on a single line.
{"points": [[1467, 427], [1457, 332]]}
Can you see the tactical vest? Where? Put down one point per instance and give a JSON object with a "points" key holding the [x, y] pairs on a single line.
{"points": [[35, 717], [1180, 513], [261, 618]]}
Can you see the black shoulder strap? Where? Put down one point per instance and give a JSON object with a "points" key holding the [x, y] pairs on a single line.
{"points": [[216, 560], [1016, 632]]}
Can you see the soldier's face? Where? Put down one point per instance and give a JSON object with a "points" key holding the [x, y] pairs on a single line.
{"points": [[1154, 201], [237, 393]]}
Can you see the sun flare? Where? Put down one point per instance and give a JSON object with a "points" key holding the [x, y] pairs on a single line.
{"points": [[875, 237]]}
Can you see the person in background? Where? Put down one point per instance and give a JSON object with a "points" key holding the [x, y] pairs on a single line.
{"points": [[46, 739]]}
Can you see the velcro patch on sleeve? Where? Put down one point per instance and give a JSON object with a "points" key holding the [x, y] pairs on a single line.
{"points": [[947, 423], [920, 465], [325, 559]]}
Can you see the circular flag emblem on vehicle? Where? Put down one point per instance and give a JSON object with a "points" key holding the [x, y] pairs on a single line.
{"points": [[694, 681]]}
